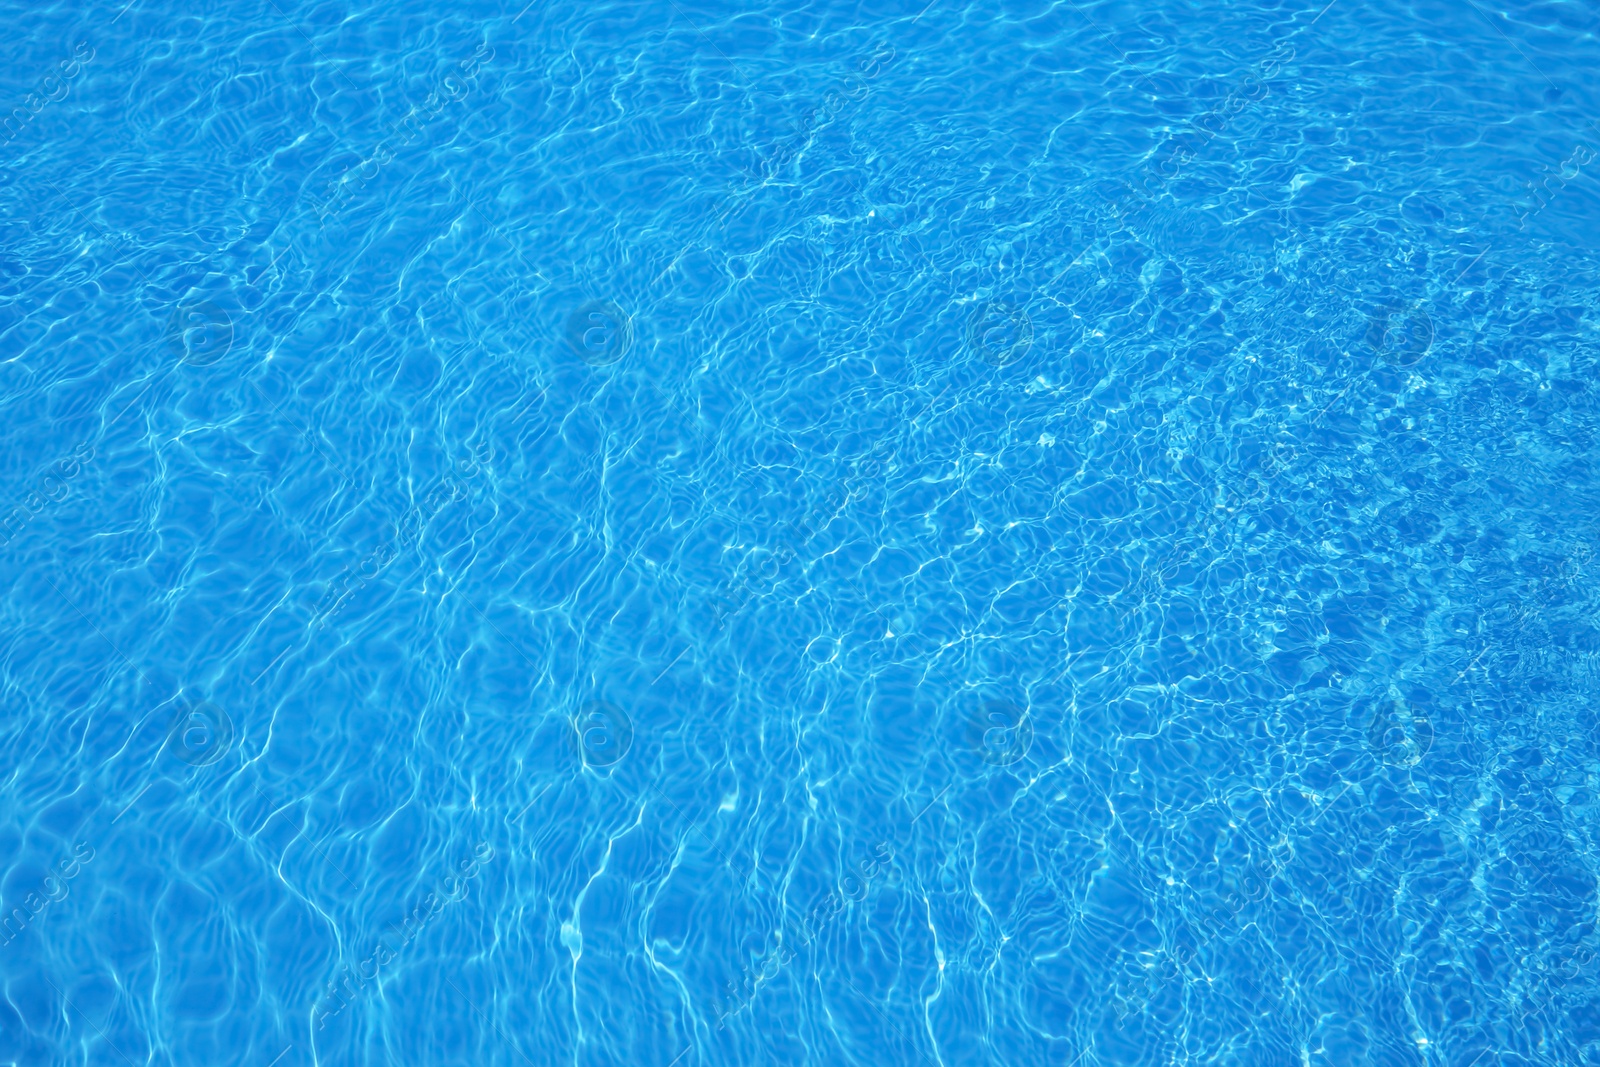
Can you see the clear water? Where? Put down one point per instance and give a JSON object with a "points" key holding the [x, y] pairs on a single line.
{"points": [[697, 534]]}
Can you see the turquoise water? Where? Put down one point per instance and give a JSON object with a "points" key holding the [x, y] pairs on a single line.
{"points": [[682, 534]]}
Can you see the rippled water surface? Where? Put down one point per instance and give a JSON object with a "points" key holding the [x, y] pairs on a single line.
{"points": [[681, 533]]}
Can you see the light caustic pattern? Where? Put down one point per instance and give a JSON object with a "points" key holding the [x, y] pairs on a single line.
{"points": [[693, 534]]}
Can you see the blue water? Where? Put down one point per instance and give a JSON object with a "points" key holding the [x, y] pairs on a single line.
{"points": [[679, 533]]}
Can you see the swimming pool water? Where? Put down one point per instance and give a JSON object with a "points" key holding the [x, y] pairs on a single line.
{"points": [[692, 533]]}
